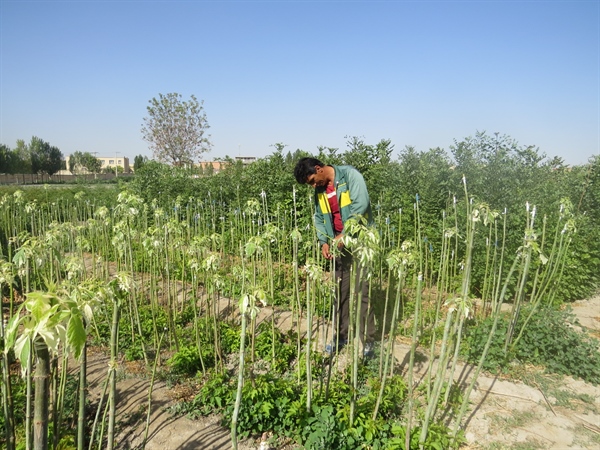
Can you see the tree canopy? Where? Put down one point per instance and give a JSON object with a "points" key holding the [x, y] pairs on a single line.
{"points": [[80, 162], [176, 129], [45, 158], [37, 157], [139, 161]]}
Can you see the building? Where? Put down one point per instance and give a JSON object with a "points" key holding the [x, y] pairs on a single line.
{"points": [[112, 161], [218, 166], [246, 159]]}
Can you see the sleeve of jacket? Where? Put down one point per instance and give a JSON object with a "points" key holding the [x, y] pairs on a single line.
{"points": [[319, 221], [358, 192]]}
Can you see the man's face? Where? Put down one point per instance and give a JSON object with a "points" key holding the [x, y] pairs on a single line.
{"points": [[317, 179]]}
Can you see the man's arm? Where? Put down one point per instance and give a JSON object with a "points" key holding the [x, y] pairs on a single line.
{"points": [[319, 222], [359, 194]]}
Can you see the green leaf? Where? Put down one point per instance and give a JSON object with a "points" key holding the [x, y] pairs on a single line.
{"points": [[38, 304], [76, 335], [11, 331], [19, 259], [50, 338], [250, 248], [244, 302], [23, 350]]}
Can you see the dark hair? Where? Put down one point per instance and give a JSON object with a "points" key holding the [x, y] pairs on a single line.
{"points": [[305, 168]]}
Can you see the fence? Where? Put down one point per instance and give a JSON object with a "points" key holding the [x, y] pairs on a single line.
{"points": [[34, 178]]}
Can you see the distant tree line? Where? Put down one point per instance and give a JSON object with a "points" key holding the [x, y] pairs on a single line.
{"points": [[39, 157], [36, 157]]}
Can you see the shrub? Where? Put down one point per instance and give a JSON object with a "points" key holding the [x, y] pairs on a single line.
{"points": [[186, 361], [549, 339]]}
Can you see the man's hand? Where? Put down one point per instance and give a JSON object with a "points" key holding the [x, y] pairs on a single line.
{"points": [[325, 248], [325, 251]]}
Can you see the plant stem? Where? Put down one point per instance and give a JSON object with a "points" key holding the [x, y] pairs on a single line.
{"points": [[41, 407]]}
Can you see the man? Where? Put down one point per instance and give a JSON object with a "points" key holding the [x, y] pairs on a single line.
{"points": [[340, 193]]}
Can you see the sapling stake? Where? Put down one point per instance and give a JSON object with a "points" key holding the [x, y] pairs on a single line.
{"points": [[149, 407]]}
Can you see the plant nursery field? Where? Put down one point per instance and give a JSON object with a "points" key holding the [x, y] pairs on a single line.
{"points": [[187, 322]]}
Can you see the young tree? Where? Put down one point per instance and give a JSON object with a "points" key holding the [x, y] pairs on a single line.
{"points": [[84, 161], [50, 324], [176, 129], [138, 162], [90, 162]]}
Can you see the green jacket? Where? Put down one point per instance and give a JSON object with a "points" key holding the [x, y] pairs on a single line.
{"points": [[352, 196]]}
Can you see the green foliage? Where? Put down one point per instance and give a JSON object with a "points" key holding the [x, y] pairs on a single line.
{"points": [[186, 361], [265, 405], [138, 162], [15, 161], [497, 170], [50, 319], [134, 352], [582, 262], [230, 338], [217, 393], [285, 347], [438, 438], [475, 339], [80, 162], [44, 157], [37, 157], [550, 339], [322, 429], [19, 392], [277, 403], [162, 183]]}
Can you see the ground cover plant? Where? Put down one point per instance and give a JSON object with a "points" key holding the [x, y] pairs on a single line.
{"points": [[146, 275]]}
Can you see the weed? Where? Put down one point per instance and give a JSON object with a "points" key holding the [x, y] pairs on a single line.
{"points": [[517, 419], [186, 361], [586, 437], [529, 444]]}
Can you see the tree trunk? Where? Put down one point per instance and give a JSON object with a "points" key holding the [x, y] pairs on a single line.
{"points": [[40, 412]]}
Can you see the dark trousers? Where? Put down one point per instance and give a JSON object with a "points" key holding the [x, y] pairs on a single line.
{"points": [[343, 265]]}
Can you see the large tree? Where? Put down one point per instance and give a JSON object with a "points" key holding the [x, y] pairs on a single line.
{"points": [[21, 158], [176, 129], [80, 162], [44, 157], [6, 156]]}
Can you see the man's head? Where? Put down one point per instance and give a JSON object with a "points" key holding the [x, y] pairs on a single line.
{"points": [[311, 171]]}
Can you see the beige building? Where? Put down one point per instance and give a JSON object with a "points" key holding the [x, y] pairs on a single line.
{"points": [[217, 166], [246, 159], [112, 161]]}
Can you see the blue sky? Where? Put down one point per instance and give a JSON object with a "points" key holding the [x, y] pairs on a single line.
{"points": [[79, 74]]}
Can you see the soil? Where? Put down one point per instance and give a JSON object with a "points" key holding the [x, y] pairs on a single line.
{"points": [[549, 412]]}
